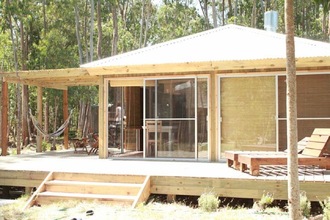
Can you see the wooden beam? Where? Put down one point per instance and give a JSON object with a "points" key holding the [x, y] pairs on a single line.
{"points": [[213, 118], [66, 115], [39, 117], [218, 66], [103, 118], [4, 119], [34, 82], [51, 73]]}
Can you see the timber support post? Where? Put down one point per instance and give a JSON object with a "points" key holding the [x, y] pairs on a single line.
{"points": [[4, 119]]}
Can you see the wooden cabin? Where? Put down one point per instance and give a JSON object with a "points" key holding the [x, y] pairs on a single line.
{"points": [[197, 96]]}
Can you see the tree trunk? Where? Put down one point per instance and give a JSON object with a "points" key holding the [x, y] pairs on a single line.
{"points": [[230, 9], [55, 122], [293, 181], [25, 110], [1, 98], [142, 22], [25, 91], [324, 24], [204, 4], [44, 16], [45, 27], [214, 14], [18, 89], [4, 119], [329, 27], [223, 12], [86, 120], [81, 119], [115, 30], [91, 32], [99, 29], [46, 119], [76, 16], [146, 25], [85, 31], [254, 14]]}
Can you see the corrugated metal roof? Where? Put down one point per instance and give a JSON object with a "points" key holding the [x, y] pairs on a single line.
{"points": [[230, 42]]}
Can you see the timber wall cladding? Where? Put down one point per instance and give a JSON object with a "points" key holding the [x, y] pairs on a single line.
{"points": [[248, 113], [313, 101]]}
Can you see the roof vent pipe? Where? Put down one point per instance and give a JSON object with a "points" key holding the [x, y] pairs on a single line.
{"points": [[270, 21]]}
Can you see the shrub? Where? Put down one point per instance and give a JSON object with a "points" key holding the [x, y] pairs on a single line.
{"points": [[208, 202], [265, 201], [45, 146], [305, 205], [326, 208]]}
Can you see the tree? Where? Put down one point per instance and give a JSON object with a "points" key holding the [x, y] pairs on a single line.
{"points": [[293, 181]]}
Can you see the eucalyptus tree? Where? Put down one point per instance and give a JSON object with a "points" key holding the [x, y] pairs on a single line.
{"points": [[291, 90]]}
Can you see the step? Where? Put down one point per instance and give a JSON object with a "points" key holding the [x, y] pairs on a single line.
{"points": [[93, 187], [50, 197], [92, 177]]}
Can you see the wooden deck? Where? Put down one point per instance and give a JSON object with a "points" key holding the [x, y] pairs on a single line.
{"points": [[166, 177]]}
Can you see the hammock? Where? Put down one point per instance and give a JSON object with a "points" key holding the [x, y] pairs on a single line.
{"points": [[57, 133]]}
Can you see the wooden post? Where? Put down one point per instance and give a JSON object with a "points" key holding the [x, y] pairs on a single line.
{"points": [[66, 115], [212, 119], [4, 119], [103, 118], [170, 198], [39, 117]]}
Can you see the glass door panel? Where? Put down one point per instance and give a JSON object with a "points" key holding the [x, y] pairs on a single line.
{"points": [[169, 125], [116, 118]]}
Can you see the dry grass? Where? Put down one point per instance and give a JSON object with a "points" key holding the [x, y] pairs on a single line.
{"points": [[72, 209]]}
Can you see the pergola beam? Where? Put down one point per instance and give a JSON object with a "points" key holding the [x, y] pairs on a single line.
{"points": [[41, 83], [51, 73]]}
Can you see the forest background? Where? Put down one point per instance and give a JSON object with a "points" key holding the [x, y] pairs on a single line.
{"points": [[53, 34]]}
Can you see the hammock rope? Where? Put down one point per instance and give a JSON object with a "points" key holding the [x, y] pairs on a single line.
{"points": [[57, 133]]}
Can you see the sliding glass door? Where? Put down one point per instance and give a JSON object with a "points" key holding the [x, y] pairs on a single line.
{"points": [[170, 117]]}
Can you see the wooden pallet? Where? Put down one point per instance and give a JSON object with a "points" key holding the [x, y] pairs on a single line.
{"points": [[116, 189]]}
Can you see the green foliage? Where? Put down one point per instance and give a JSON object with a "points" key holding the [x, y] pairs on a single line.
{"points": [[45, 146], [176, 20], [265, 201], [208, 202], [326, 208], [305, 205]]}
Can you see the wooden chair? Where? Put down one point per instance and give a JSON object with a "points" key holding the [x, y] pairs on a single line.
{"points": [[313, 154], [81, 143], [94, 144], [153, 135]]}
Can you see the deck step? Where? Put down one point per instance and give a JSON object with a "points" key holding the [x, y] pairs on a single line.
{"points": [[118, 189], [45, 198], [93, 187]]}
